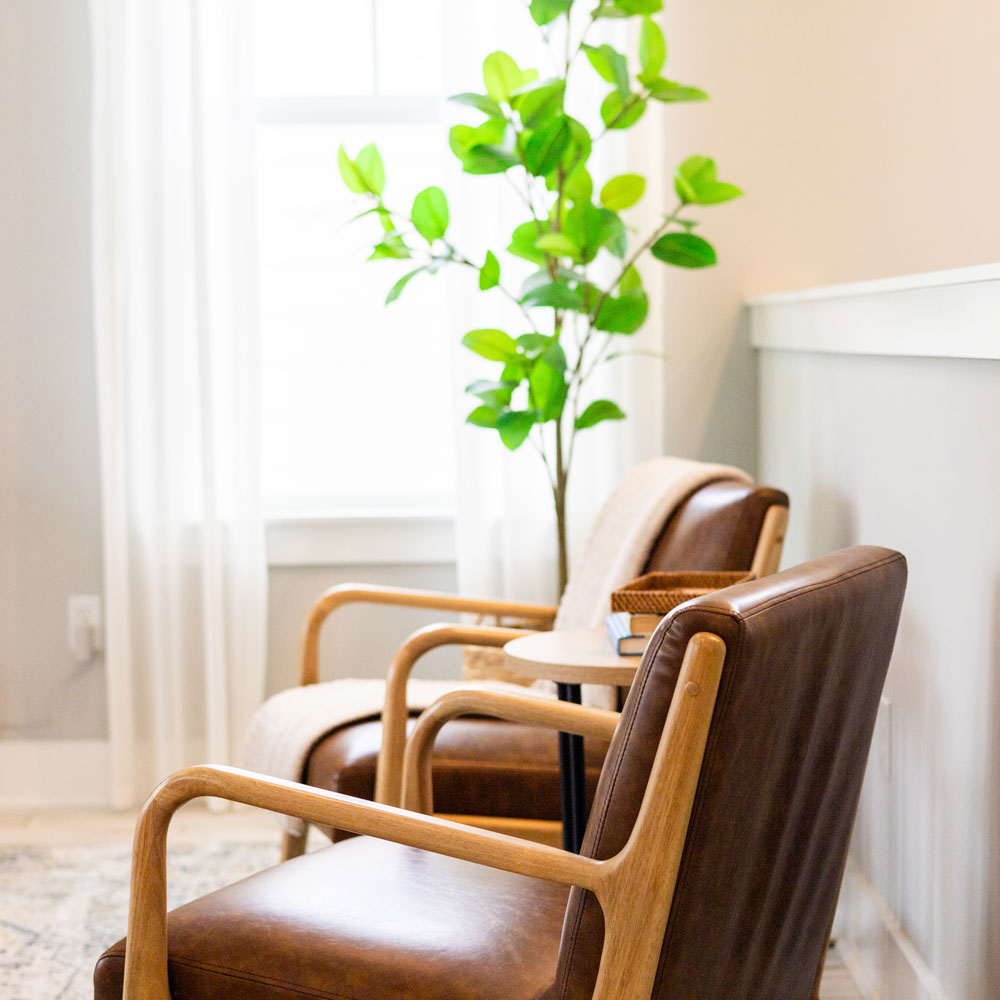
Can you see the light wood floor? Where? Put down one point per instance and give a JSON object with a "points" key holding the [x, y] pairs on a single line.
{"points": [[195, 822]]}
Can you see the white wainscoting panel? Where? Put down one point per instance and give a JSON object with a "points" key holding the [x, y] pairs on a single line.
{"points": [[880, 437]]}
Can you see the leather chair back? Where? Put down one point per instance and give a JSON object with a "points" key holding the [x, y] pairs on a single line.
{"points": [[715, 529], [807, 653]]}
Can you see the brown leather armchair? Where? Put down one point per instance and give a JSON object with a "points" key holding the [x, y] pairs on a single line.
{"points": [[501, 775], [711, 863]]}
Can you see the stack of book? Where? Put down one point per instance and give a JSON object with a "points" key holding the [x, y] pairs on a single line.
{"points": [[629, 633]]}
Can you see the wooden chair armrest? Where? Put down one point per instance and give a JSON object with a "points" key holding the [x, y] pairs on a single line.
{"points": [[146, 947], [568, 718], [356, 593], [635, 888], [389, 768]]}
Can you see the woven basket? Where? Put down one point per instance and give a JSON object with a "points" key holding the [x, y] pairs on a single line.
{"points": [[660, 593]]}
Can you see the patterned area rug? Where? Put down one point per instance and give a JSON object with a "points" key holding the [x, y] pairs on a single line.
{"points": [[61, 906]]}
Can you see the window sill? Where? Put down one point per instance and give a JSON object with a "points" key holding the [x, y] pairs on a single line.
{"points": [[362, 540]]}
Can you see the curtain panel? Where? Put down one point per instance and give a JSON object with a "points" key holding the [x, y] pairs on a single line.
{"points": [[177, 355]]}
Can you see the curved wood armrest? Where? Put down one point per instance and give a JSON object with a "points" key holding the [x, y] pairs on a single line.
{"points": [[568, 718], [357, 593], [389, 769], [635, 888], [146, 946]]}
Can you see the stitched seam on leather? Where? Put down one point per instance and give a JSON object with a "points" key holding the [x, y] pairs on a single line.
{"points": [[801, 591], [602, 819]]}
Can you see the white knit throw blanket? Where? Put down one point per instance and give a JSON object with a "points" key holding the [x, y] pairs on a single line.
{"points": [[621, 538], [287, 726]]}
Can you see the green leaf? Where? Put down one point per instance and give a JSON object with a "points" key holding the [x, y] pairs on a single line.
{"points": [[684, 250], [533, 343], [392, 248], [554, 295], [494, 394], [480, 102], [639, 6], [397, 288], [631, 281], [369, 165], [695, 182], [698, 171], [598, 411], [652, 48], [545, 11], [483, 416], [548, 389], [671, 92], [486, 149], [541, 104], [351, 175], [579, 185], [622, 112], [608, 11], [546, 146], [610, 64], [718, 192], [584, 225], [522, 242], [481, 160], [462, 138], [430, 213], [502, 76], [494, 345], [555, 356], [623, 191], [558, 244], [623, 315], [613, 234], [515, 426], [489, 273]]}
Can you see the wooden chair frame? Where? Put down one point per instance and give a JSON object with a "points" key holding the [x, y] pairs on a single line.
{"points": [[389, 766], [635, 888]]}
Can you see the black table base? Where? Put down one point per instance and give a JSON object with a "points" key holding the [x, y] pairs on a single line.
{"points": [[572, 778]]}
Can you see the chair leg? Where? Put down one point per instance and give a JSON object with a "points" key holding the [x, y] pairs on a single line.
{"points": [[293, 845]]}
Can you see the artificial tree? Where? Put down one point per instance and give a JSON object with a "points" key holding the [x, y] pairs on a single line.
{"points": [[570, 319]]}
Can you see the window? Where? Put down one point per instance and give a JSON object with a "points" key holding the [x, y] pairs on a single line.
{"points": [[358, 409]]}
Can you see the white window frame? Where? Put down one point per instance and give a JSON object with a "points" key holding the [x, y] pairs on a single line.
{"points": [[388, 537]]}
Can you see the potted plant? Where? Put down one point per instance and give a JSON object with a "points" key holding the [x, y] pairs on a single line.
{"points": [[570, 320]]}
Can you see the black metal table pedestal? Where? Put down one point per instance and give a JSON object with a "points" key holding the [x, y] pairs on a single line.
{"points": [[572, 778]]}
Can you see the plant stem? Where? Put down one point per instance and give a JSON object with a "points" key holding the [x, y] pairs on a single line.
{"points": [[559, 498]]}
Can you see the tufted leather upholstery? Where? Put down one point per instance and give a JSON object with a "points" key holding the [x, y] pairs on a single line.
{"points": [[807, 652], [478, 768]]}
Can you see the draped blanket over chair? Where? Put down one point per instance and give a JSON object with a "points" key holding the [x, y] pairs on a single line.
{"points": [[710, 867]]}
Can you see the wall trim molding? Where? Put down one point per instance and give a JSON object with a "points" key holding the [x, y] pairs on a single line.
{"points": [[54, 774], [884, 962], [941, 314]]}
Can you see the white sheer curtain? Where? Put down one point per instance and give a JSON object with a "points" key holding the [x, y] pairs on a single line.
{"points": [[505, 523], [185, 568]]}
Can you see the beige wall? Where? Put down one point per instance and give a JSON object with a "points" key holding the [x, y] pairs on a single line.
{"points": [[864, 133]]}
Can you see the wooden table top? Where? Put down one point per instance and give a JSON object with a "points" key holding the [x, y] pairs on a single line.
{"points": [[571, 656]]}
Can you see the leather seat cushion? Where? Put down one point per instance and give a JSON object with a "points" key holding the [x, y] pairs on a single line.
{"points": [[484, 767], [362, 920]]}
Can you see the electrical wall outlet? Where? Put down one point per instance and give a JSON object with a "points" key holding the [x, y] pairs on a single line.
{"points": [[85, 627]]}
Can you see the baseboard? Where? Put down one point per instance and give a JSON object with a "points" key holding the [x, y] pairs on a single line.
{"points": [[884, 962], [54, 774]]}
